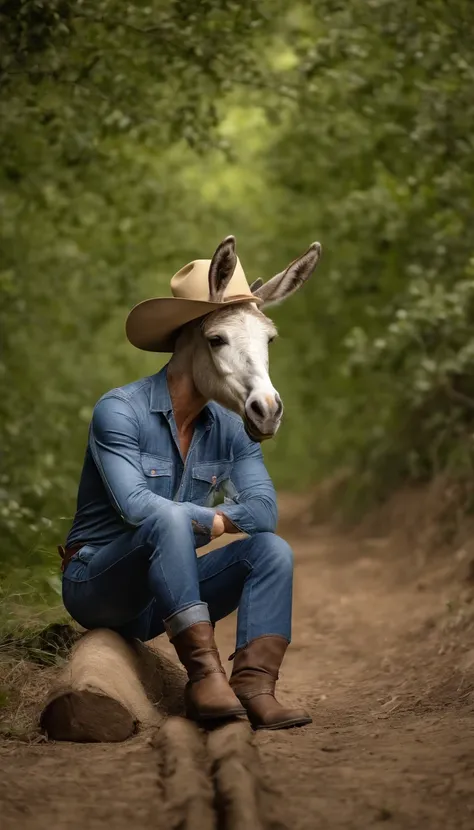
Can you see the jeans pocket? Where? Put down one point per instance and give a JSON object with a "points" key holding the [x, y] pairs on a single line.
{"points": [[76, 569], [209, 482], [85, 554]]}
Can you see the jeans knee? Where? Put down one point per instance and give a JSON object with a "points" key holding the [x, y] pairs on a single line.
{"points": [[276, 549], [170, 520]]}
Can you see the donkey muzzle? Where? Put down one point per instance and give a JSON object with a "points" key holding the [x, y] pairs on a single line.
{"points": [[263, 413]]}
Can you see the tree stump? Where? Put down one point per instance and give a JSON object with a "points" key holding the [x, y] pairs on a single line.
{"points": [[110, 688]]}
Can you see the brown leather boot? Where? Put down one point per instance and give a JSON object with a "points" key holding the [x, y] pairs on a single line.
{"points": [[208, 695], [253, 680]]}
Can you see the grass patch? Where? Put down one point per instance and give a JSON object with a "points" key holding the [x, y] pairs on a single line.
{"points": [[30, 599], [23, 687], [35, 638], [28, 665]]}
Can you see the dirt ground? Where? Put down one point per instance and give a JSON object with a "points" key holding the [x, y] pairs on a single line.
{"points": [[383, 658]]}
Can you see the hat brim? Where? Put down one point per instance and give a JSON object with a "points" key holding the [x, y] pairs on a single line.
{"points": [[152, 325]]}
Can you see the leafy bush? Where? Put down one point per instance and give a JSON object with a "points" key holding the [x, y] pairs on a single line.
{"points": [[376, 159], [134, 136]]}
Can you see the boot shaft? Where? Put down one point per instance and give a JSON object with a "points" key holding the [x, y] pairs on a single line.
{"points": [[257, 665], [197, 650], [208, 695]]}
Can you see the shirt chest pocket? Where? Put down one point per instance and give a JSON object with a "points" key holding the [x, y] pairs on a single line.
{"points": [[158, 473], [211, 482]]}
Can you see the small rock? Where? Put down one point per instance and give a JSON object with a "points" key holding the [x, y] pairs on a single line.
{"points": [[384, 814]]}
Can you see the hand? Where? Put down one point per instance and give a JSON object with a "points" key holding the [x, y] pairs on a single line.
{"points": [[227, 525], [218, 526]]}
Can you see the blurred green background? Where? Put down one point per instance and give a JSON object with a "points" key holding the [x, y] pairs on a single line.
{"points": [[135, 135]]}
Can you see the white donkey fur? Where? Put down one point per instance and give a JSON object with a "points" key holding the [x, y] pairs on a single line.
{"points": [[226, 352]]}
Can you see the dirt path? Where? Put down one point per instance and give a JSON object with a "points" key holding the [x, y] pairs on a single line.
{"points": [[383, 659]]}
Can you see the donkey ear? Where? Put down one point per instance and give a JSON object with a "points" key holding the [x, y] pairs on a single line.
{"points": [[283, 285], [256, 285], [221, 268]]}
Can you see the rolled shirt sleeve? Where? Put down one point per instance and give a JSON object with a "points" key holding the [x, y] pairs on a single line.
{"points": [[114, 442]]}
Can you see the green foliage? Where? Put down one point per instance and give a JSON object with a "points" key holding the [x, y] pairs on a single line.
{"points": [[99, 106], [134, 136], [376, 159]]}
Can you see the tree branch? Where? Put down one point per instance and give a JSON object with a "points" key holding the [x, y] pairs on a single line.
{"points": [[115, 23]]}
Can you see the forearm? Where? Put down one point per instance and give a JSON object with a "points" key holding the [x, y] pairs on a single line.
{"points": [[114, 444], [141, 504], [256, 515]]}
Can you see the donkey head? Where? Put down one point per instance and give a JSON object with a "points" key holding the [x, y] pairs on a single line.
{"points": [[229, 347]]}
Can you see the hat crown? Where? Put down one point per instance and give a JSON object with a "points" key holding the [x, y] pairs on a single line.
{"points": [[152, 325], [192, 282]]}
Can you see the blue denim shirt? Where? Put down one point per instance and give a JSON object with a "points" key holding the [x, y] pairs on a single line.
{"points": [[133, 464]]}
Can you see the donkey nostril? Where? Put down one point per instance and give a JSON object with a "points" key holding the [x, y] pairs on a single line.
{"points": [[257, 409], [279, 408]]}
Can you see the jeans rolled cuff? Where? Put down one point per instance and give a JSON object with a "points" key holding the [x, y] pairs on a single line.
{"points": [[192, 614]]}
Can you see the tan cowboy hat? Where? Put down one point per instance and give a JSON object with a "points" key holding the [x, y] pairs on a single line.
{"points": [[200, 287]]}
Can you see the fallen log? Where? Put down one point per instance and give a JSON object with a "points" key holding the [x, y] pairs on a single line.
{"points": [[109, 689]]}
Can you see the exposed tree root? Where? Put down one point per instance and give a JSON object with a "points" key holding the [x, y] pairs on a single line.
{"points": [[187, 789], [244, 799]]}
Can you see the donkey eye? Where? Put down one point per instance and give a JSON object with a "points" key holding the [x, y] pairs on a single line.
{"points": [[216, 341], [271, 339]]}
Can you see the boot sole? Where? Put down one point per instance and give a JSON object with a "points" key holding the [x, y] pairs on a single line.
{"points": [[288, 724], [233, 713]]}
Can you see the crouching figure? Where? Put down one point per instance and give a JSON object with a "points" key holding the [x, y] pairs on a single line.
{"points": [[173, 461]]}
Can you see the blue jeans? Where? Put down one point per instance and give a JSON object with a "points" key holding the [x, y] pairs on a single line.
{"points": [[151, 574]]}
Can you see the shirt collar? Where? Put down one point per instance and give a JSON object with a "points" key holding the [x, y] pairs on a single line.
{"points": [[160, 399]]}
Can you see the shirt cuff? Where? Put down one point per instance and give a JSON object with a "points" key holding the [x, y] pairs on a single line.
{"points": [[202, 517], [239, 516]]}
